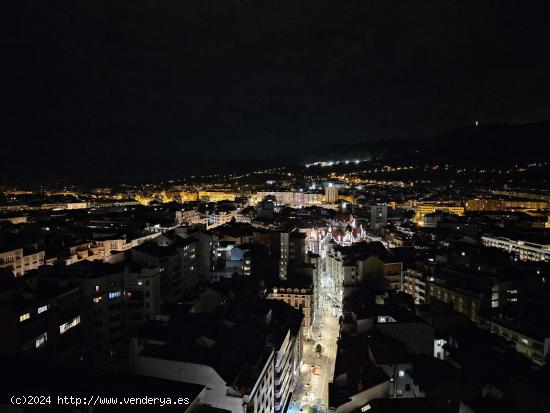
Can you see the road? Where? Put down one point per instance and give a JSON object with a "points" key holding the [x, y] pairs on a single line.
{"points": [[311, 393]]}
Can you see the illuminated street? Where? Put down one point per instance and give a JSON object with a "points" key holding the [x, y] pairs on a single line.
{"points": [[311, 393]]}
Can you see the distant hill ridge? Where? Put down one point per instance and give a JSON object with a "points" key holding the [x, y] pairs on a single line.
{"points": [[470, 146]]}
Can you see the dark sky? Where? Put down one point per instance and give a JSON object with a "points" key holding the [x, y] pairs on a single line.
{"points": [[122, 90]]}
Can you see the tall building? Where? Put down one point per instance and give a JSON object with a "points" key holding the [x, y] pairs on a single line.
{"points": [[414, 284], [113, 298], [104, 326], [280, 249], [286, 338], [247, 356], [178, 259], [205, 247], [297, 246], [378, 216], [331, 194]]}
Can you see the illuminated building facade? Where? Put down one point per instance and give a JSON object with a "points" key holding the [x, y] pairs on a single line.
{"points": [[481, 204], [22, 260], [331, 194], [299, 297], [217, 196], [526, 251], [422, 210]]}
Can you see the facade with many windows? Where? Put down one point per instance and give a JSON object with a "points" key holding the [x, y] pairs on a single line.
{"points": [[415, 284], [532, 342], [526, 251], [298, 297], [22, 260], [467, 303], [41, 319]]}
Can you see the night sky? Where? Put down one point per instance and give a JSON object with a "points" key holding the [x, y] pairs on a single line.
{"points": [[131, 90]]}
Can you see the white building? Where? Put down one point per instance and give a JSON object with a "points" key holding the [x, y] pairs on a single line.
{"points": [[105, 247], [219, 394], [414, 284], [331, 194], [526, 251], [291, 198], [22, 260], [248, 359]]}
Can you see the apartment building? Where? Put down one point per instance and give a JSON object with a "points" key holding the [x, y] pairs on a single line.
{"points": [[485, 204], [106, 246], [216, 196], [416, 285], [285, 334], [39, 318], [237, 368], [331, 194], [472, 293], [280, 246], [378, 216], [176, 258], [298, 293], [22, 260], [104, 299], [392, 358], [364, 261], [421, 210], [525, 251], [291, 198], [297, 246], [530, 340]]}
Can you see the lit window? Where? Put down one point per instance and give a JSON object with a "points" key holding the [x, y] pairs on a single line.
{"points": [[63, 328], [97, 287], [24, 317], [42, 309], [113, 295], [401, 373], [41, 340], [365, 408]]}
